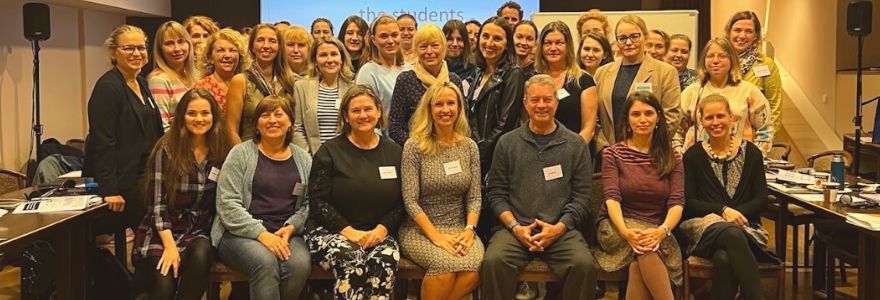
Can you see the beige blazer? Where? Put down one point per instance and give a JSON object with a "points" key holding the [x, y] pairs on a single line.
{"points": [[306, 134], [664, 84]]}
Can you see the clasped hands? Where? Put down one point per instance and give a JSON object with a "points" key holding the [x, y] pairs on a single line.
{"points": [[277, 242], [644, 240], [546, 234], [365, 239], [455, 244]]}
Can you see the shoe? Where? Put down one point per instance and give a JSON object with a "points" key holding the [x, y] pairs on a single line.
{"points": [[527, 291]]}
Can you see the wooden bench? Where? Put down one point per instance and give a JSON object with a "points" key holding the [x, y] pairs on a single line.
{"points": [[696, 267]]}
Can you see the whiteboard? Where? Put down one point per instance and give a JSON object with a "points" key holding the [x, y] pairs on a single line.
{"points": [[670, 21]]}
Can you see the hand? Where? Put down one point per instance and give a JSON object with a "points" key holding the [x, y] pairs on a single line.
{"points": [[732, 215], [549, 234], [115, 203], [445, 241], [285, 232], [524, 234], [652, 237], [373, 237], [275, 244], [464, 241], [632, 236], [170, 260], [352, 234]]}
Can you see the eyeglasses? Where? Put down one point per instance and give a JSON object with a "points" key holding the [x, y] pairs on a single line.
{"points": [[635, 37], [129, 49]]}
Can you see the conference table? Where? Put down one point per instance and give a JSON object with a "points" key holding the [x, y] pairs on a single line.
{"points": [[869, 240], [69, 233]]}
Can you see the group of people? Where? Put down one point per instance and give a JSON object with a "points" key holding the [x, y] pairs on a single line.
{"points": [[469, 149]]}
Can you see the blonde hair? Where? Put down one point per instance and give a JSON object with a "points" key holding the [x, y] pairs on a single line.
{"points": [[594, 14], [375, 55], [189, 68], [573, 69], [345, 71], [206, 67], [205, 22], [635, 21], [279, 64], [428, 33], [734, 75], [298, 33], [422, 128], [112, 41]]}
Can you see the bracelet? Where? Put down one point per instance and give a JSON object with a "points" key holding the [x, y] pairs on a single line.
{"points": [[471, 227], [512, 225], [668, 232]]}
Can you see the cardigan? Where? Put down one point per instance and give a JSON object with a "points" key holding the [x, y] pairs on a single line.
{"points": [[770, 85], [306, 133], [753, 122], [234, 193]]}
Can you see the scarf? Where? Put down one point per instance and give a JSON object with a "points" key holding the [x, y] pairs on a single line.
{"points": [[255, 75], [426, 76], [747, 58]]}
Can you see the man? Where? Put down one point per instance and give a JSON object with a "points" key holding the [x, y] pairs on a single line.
{"points": [[510, 11], [539, 187]]}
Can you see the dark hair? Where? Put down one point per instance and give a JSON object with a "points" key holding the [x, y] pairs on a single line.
{"points": [[683, 37], [408, 16], [362, 25], [663, 35], [268, 105], [282, 22], [606, 47], [454, 25], [354, 92], [511, 4], [319, 20], [661, 145], [744, 15], [279, 64], [472, 21], [530, 23], [246, 30], [507, 55], [180, 160]]}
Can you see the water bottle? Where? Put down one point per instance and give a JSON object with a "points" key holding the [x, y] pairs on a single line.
{"points": [[837, 170]]}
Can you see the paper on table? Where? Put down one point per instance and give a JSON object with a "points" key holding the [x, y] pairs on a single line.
{"points": [[786, 189], [70, 175], [3, 212], [867, 139], [811, 197], [869, 221], [54, 204]]}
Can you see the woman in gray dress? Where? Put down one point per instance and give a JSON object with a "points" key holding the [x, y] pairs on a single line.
{"points": [[441, 192]]}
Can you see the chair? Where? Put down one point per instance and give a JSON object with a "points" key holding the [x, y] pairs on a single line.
{"points": [[838, 245], [11, 181], [699, 268], [822, 161], [796, 217], [779, 151], [77, 143]]}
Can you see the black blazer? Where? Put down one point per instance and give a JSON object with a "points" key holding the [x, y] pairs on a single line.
{"points": [[496, 110], [117, 145]]}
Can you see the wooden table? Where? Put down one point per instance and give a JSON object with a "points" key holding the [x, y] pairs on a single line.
{"points": [[869, 241], [70, 234]]}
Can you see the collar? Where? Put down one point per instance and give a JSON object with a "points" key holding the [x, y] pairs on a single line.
{"points": [[558, 138]]}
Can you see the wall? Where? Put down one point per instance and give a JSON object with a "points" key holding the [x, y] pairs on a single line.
{"points": [[847, 45], [722, 10], [846, 99]]}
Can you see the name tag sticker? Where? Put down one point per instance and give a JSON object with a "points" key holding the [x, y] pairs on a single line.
{"points": [[388, 172], [554, 172], [762, 71], [453, 167], [644, 87], [299, 189], [562, 93], [215, 173]]}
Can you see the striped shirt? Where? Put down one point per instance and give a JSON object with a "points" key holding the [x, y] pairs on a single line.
{"points": [[167, 93], [327, 112]]}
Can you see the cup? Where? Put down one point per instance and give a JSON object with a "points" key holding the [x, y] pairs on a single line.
{"points": [[829, 195]]}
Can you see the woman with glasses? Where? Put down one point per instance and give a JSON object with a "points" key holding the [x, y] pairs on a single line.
{"points": [[634, 72]]}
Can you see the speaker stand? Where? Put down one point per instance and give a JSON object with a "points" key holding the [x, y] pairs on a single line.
{"points": [[38, 126]]}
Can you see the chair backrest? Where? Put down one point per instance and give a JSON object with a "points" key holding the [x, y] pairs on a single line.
{"points": [[79, 144], [11, 181], [822, 161], [779, 151]]}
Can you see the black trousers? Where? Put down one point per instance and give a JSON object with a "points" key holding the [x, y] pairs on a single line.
{"points": [[192, 279]]}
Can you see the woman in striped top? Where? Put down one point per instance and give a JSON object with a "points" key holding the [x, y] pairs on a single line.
{"points": [[175, 66], [317, 98]]}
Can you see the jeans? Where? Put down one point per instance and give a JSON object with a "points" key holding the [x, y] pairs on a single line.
{"points": [[270, 278]]}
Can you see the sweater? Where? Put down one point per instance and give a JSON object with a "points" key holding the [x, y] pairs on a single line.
{"points": [[234, 191], [517, 180], [167, 93], [407, 96], [630, 178], [751, 109]]}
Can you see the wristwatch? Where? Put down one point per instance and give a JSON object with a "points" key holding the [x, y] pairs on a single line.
{"points": [[511, 225], [668, 232], [471, 227]]}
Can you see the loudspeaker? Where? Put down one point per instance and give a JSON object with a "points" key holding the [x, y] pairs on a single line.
{"points": [[858, 17], [36, 21]]}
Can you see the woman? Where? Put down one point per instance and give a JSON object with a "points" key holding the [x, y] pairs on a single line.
{"points": [[173, 74], [657, 44], [594, 21], [578, 101], [644, 197], [199, 28], [297, 43], [265, 77], [524, 36], [321, 27], [356, 210], [262, 206], [430, 69], [473, 29], [634, 72], [725, 192], [719, 74], [678, 56], [495, 96], [124, 125], [408, 27], [458, 50], [744, 32], [386, 60], [224, 57], [353, 35], [317, 98], [441, 191], [172, 251], [594, 52]]}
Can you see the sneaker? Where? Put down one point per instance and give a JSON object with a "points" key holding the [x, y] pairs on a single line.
{"points": [[527, 291]]}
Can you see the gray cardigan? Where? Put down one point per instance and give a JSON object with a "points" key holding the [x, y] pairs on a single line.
{"points": [[306, 133], [517, 183], [234, 193]]}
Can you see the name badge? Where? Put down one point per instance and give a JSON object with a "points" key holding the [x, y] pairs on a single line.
{"points": [[453, 167], [554, 172], [299, 189], [215, 173], [761, 71], [644, 87], [562, 93], [387, 172]]}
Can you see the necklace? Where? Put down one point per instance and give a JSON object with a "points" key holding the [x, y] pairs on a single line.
{"points": [[717, 157]]}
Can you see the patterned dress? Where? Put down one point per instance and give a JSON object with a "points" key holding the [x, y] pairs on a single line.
{"points": [[446, 198], [216, 89]]}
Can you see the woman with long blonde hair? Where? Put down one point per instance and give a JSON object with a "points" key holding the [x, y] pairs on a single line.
{"points": [[174, 71]]}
